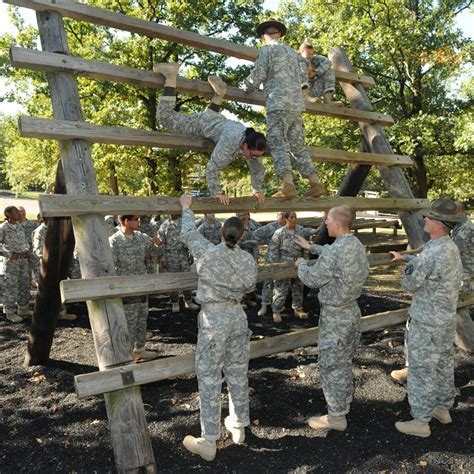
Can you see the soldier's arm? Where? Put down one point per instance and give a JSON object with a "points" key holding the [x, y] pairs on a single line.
{"points": [[115, 254], [323, 65], [308, 232], [3, 251], [259, 72], [220, 158], [273, 253], [38, 244], [303, 71], [196, 243], [417, 271], [321, 272]]}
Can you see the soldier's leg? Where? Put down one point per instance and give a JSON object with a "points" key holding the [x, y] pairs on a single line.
{"points": [[236, 374], [464, 338], [267, 292], [297, 293], [316, 89], [23, 284], [10, 287], [173, 267], [444, 383], [140, 327], [131, 308], [422, 373], [210, 353], [298, 149], [280, 292], [277, 139], [185, 267]]}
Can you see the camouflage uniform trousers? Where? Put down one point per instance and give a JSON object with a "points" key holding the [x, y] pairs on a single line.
{"points": [[34, 266], [16, 285], [285, 138], [431, 359], [136, 314], [339, 336], [280, 292], [267, 292], [151, 264], [181, 123], [223, 346], [322, 84], [178, 262]]}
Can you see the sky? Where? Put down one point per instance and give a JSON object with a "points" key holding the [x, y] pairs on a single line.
{"points": [[465, 22]]}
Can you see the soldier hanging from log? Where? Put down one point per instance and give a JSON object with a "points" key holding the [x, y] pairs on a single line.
{"points": [[231, 138]]}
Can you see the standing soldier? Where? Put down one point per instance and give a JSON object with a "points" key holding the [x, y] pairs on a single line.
{"points": [[16, 250], [150, 229], [129, 250], [263, 236], [339, 273], [283, 248], [210, 228], [111, 225], [29, 227], [176, 257], [434, 277], [231, 138], [283, 72], [225, 274]]}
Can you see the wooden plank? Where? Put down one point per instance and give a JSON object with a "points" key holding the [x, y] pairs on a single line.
{"points": [[73, 291], [51, 62], [31, 127], [358, 224], [69, 205], [155, 30], [96, 383]]}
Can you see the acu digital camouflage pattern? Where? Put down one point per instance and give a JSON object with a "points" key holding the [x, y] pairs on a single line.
{"points": [[263, 235], [463, 237], [176, 254], [325, 80], [129, 253], [283, 248], [339, 273], [227, 135], [39, 235], [223, 345], [33, 261], [151, 229], [211, 231], [16, 280], [248, 241], [434, 276]]}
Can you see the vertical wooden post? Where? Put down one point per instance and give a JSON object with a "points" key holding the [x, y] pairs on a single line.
{"points": [[393, 177], [129, 432]]}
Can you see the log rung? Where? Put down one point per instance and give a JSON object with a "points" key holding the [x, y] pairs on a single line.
{"points": [[96, 383]]}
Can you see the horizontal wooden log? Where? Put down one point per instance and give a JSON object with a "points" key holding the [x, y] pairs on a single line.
{"points": [[31, 127], [70, 205], [358, 224], [51, 62], [96, 383], [150, 29], [121, 286]]}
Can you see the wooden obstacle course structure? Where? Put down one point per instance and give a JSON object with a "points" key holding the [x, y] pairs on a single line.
{"points": [[130, 438]]}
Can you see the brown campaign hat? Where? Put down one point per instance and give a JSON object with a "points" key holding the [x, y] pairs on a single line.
{"points": [[443, 209], [271, 22]]}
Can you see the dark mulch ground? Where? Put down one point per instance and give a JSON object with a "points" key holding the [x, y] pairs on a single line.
{"points": [[45, 428]]}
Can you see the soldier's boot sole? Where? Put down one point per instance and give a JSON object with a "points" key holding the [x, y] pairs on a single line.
{"points": [[169, 71], [200, 446], [218, 86], [414, 428]]}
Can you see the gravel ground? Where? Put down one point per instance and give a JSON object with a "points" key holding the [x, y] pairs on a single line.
{"points": [[45, 428]]}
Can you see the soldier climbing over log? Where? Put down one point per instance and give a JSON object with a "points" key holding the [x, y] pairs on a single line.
{"points": [[231, 138]]}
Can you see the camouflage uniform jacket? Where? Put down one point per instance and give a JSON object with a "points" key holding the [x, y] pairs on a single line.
{"points": [[434, 277], [29, 227], [13, 239], [211, 231], [39, 235], [248, 242], [282, 246], [223, 274], [263, 235], [340, 271], [228, 135], [149, 229], [283, 72], [320, 64], [130, 251], [170, 236], [463, 236]]}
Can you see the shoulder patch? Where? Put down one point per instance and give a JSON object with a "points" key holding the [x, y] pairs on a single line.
{"points": [[409, 270]]}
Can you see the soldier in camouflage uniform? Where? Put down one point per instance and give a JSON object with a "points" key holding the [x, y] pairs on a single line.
{"points": [[339, 273], [225, 274], [434, 276], [130, 248], [29, 226], [283, 73], [151, 229], [231, 138], [176, 257], [16, 250], [283, 248], [210, 228], [322, 78], [111, 225], [263, 235]]}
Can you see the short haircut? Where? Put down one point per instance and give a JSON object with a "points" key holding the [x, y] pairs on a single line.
{"points": [[344, 214], [305, 45], [8, 210], [122, 219]]}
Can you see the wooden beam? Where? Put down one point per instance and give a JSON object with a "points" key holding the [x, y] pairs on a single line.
{"points": [[70, 205], [31, 127], [96, 383], [122, 286], [150, 29]]}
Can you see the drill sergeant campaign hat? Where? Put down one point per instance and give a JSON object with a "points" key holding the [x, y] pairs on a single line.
{"points": [[444, 210], [271, 22]]}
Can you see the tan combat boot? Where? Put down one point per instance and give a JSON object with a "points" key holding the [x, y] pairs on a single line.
{"points": [[191, 305], [238, 434], [328, 100], [13, 317], [328, 422], [414, 427], [144, 355], [263, 310], [400, 375], [316, 189], [175, 307], [169, 70], [300, 314], [277, 318], [288, 189], [203, 447], [219, 87], [442, 415]]}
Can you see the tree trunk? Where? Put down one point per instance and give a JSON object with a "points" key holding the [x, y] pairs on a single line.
{"points": [[113, 180]]}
